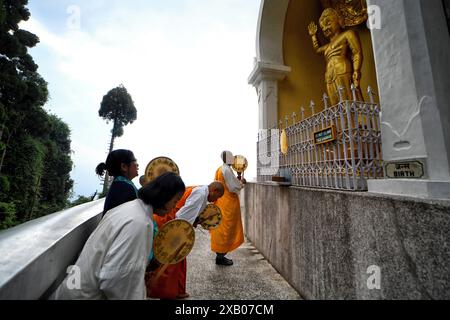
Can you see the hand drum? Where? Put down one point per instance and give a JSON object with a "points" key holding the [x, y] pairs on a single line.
{"points": [[174, 241], [211, 217], [158, 166], [240, 164]]}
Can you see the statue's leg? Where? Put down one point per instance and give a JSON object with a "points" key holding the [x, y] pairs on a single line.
{"points": [[333, 94], [345, 81]]}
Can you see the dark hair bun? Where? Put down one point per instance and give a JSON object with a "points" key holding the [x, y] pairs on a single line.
{"points": [[114, 162], [101, 168]]}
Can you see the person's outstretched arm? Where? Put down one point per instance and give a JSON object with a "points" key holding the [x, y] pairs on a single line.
{"points": [[192, 207]]}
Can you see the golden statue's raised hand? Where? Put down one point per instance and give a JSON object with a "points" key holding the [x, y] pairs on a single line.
{"points": [[343, 55], [312, 28]]}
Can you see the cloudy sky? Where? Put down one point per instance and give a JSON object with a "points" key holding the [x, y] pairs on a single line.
{"points": [[184, 62]]}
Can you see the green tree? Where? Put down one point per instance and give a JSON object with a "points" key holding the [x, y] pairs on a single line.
{"points": [[56, 183], [35, 150], [117, 106], [22, 89], [7, 215], [82, 200], [24, 169]]}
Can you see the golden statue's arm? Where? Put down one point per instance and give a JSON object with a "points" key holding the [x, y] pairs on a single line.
{"points": [[356, 49], [312, 28]]}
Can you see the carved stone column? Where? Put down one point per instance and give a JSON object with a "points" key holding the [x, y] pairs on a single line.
{"points": [[413, 66], [264, 78]]}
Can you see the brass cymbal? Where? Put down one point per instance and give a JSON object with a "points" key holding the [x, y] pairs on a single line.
{"points": [[240, 164], [211, 217], [158, 166], [174, 241]]}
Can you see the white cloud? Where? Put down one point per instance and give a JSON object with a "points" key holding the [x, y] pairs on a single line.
{"points": [[186, 71]]}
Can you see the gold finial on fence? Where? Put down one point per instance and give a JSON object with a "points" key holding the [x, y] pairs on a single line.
{"points": [[294, 117], [302, 111]]}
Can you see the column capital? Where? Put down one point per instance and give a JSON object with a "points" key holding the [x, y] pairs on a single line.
{"points": [[267, 71]]}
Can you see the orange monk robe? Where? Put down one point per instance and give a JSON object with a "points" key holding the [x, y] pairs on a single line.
{"points": [[172, 282], [229, 235]]}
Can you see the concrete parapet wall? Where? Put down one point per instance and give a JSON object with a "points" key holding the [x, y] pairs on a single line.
{"points": [[323, 241], [34, 256]]}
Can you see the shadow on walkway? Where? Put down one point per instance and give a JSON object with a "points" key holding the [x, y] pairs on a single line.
{"points": [[250, 278]]}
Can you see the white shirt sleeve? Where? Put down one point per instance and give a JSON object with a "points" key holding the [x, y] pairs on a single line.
{"points": [[122, 274], [233, 183], [193, 206]]}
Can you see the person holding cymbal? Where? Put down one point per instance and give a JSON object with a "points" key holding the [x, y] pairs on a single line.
{"points": [[113, 261], [230, 234], [171, 284]]}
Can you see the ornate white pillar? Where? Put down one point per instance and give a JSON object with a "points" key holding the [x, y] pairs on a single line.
{"points": [[265, 79], [413, 67]]}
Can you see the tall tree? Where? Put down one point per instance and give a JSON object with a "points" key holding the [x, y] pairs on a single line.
{"points": [[22, 89], [35, 150], [117, 106]]}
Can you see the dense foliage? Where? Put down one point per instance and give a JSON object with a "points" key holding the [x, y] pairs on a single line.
{"points": [[35, 161]]}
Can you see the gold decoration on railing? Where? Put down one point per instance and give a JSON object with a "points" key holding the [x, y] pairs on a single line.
{"points": [[284, 143]]}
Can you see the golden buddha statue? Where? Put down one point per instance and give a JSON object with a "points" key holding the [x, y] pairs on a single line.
{"points": [[343, 56]]}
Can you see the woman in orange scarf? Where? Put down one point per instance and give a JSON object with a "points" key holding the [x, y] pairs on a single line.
{"points": [[230, 234], [172, 283]]}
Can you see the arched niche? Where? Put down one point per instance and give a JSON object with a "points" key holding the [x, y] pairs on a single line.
{"points": [[269, 36], [288, 73], [306, 81], [269, 66]]}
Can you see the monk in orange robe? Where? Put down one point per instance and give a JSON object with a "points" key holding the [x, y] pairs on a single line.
{"points": [[229, 235], [172, 283]]}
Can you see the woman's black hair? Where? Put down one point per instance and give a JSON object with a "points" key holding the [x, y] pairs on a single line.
{"points": [[114, 161], [161, 190]]}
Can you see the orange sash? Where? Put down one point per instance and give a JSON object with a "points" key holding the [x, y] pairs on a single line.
{"points": [[172, 282]]}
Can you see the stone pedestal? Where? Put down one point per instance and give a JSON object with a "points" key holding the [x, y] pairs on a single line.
{"points": [[412, 60]]}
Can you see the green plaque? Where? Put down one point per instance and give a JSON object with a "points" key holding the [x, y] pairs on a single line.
{"points": [[324, 136]]}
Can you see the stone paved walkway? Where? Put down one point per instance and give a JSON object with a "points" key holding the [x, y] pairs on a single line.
{"points": [[250, 278]]}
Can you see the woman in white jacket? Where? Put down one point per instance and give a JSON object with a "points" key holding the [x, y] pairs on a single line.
{"points": [[113, 261]]}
